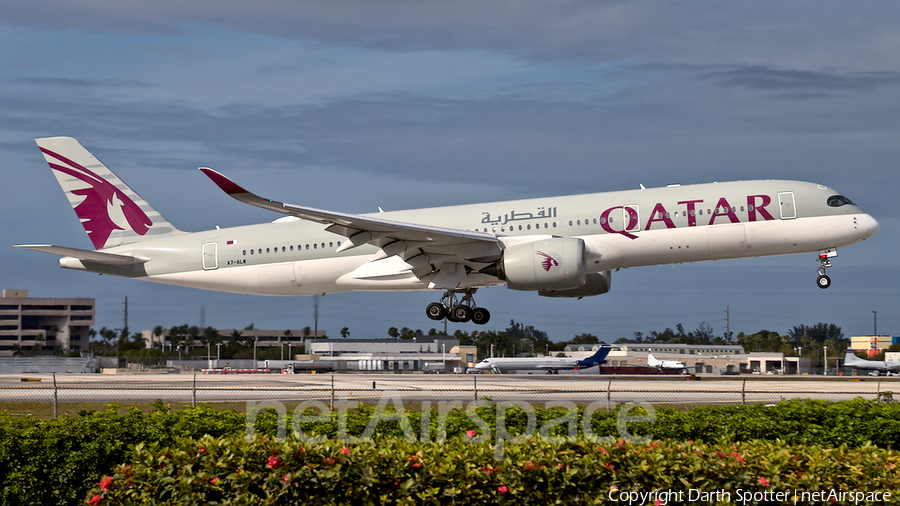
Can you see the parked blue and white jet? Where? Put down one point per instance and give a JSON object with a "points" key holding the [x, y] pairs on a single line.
{"points": [[549, 364], [554, 246]]}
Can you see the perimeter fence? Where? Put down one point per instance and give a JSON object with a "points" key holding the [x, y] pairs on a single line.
{"points": [[57, 397]]}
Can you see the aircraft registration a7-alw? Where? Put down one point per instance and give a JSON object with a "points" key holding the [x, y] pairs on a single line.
{"points": [[555, 246]]}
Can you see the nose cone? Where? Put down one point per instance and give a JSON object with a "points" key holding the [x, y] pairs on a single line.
{"points": [[868, 226]]}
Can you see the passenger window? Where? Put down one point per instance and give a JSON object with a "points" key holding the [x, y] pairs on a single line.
{"points": [[315, 246], [245, 252]]}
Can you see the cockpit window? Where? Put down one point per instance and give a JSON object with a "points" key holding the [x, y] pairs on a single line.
{"points": [[838, 201]]}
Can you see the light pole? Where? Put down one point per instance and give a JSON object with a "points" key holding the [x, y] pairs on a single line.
{"points": [[875, 316], [218, 353]]}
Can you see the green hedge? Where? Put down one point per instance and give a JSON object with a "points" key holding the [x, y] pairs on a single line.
{"points": [[55, 461], [393, 471]]}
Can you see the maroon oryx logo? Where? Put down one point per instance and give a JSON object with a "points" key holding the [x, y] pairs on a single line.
{"points": [[548, 262], [105, 208]]}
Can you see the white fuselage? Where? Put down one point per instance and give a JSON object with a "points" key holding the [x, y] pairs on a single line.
{"points": [[664, 364], [620, 230], [526, 364]]}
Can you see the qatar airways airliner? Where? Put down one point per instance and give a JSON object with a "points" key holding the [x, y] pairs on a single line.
{"points": [[555, 246]]}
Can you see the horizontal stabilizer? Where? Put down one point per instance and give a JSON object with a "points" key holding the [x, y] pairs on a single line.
{"points": [[87, 255]]}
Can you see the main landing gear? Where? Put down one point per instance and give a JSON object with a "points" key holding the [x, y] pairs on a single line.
{"points": [[824, 281], [458, 310]]}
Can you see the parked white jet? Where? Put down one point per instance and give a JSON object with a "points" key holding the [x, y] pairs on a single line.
{"points": [[663, 364], [852, 361], [550, 364], [555, 246]]}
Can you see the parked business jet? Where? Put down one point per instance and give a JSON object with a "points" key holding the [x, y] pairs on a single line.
{"points": [[664, 364], [883, 367], [555, 246], [550, 364]]}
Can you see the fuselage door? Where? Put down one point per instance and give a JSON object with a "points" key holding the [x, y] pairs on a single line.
{"points": [[786, 204], [210, 256]]}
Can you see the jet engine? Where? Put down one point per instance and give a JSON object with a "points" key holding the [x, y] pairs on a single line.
{"points": [[546, 265], [596, 284]]}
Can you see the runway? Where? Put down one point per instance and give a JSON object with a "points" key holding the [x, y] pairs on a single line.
{"points": [[418, 388]]}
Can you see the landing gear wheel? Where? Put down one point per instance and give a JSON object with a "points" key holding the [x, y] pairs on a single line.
{"points": [[436, 311], [823, 281], [480, 316], [460, 314]]}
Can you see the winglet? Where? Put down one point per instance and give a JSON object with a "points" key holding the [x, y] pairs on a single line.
{"points": [[228, 186]]}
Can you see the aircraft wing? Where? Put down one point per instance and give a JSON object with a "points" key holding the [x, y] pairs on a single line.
{"points": [[440, 245], [82, 254]]}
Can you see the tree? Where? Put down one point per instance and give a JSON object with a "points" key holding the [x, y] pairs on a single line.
{"points": [[818, 332], [345, 332], [585, 339], [158, 332], [537, 339], [393, 332], [39, 341]]}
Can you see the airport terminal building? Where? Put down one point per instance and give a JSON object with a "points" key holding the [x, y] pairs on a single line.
{"points": [[423, 353], [44, 324]]}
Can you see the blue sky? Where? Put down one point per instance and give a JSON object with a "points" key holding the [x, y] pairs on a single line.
{"points": [[354, 105]]}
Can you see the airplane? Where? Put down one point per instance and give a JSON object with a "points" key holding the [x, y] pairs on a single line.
{"points": [[663, 364], [880, 366], [554, 246], [550, 364]]}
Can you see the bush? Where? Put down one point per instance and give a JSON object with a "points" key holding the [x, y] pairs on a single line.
{"points": [[230, 470], [55, 461]]}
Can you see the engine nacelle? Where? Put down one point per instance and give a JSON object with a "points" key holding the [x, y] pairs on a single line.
{"points": [[596, 284], [546, 265]]}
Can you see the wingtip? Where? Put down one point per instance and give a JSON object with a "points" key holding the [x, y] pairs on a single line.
{"points": [[227, 185]]}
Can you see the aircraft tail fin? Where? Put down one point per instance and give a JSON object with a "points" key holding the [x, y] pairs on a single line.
{"points": [[851, 360], [110, 211], [598, 357]]}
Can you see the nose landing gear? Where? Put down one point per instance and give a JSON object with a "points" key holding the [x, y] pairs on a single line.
{"points": [[824, 281], [458, 310]]}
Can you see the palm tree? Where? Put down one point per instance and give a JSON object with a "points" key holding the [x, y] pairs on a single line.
{"points": [[345, 332]]}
